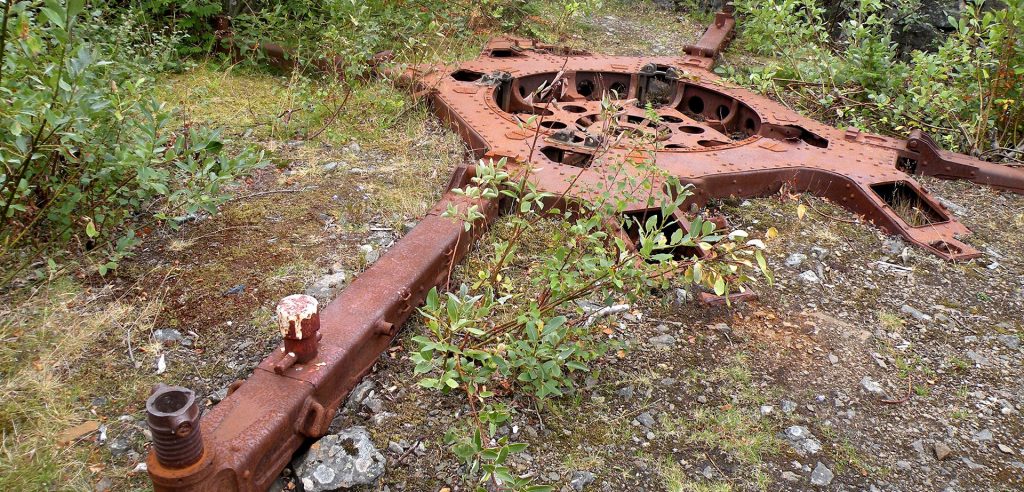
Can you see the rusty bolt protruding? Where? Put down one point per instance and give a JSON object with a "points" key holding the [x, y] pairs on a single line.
{"points": [[299, 320], [173, 417]]}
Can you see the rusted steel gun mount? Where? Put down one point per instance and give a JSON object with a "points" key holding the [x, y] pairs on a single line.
{"points": [[540, 106], [723, 139]]}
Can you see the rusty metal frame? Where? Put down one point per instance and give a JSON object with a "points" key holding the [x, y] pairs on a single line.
{"points": [[723, 139]]}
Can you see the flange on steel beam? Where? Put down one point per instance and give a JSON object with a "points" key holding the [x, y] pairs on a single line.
{"points": [[723, 139]]}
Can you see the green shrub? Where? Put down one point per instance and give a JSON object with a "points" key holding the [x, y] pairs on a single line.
{"points": [[967, 92], [88, 154], [529, 335]]}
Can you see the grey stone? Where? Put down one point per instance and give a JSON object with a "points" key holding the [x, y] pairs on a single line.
{"points": [[626, 392], [218, 395], [325, 287], [809, 277], [580, 479], [794, 260], [330, 166], [766, 410], [914, 313], [983, 435], [871, 386], [167, 336], [380, 418], [374, 405], [894, 246], [341, 460], [970, 463], [645, 419], [953, 207], [119, 446], [790, 476], [797, 432], [819, 252], [977, 358], [662, 341], [804, 443], [103, 485], [359, 393], [682, 297], [1012, 342], [788, 406], [394, 447], [370, 254], [821, 476]]}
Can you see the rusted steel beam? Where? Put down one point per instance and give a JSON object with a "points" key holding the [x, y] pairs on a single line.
{"points": [[716, 38], [247, 438]]}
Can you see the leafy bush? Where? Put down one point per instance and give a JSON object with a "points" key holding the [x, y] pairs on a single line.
{"points": [[528, 335], [968, 90], [88, 154]]}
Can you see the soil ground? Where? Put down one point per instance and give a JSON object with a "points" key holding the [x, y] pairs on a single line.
{"points": [[937, 343]]}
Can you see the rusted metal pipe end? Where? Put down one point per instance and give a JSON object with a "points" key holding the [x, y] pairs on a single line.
{"points": [[173, 417], [299, 321]]}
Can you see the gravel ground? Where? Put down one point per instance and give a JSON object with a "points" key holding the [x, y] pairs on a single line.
{"points": [[888, 379]]}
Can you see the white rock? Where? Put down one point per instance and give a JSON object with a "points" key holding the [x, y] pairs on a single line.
{"points": [[871, 385], [809, 277]]}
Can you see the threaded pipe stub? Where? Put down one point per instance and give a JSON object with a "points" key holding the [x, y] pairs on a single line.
{"points": [[173, 417]]}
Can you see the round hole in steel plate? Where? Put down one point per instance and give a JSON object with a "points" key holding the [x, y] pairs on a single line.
{"points": [[695, 104], [554, 125]]}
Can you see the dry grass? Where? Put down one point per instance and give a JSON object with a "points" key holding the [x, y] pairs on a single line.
{"points": [[677, 480], [57, 345]]}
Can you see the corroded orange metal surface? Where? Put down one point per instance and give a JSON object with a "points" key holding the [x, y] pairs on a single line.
{"points": [[725, 140]]}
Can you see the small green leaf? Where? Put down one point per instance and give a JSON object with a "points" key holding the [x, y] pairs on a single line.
{"points": [[75, 7]]}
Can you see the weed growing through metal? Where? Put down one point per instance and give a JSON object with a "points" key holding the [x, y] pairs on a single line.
{"points": [[492, 337]]}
